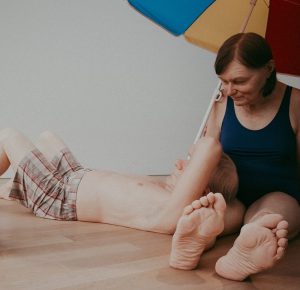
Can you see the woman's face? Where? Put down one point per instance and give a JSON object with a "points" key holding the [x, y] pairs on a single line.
{"points": [[242, 84]]}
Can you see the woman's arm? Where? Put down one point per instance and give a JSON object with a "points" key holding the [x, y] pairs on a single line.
{"points": [[214, 123], [295, 120]]}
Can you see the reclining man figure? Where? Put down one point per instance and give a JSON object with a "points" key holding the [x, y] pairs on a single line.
{"points": [[50, 182]]}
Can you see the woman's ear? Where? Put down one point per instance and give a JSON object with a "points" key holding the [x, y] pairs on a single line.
{"points": [[270, 67]]}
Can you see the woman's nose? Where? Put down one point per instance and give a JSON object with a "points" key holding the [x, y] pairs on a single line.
{"points": [[230, 90]]}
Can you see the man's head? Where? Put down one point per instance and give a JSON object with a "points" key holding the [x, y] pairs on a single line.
{"points": [[224, 178]]}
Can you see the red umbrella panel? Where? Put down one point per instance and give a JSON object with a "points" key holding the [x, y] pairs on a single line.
{"points": [[283, 33]]}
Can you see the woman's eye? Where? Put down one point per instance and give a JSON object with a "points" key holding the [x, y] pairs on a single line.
{"points": [[238, 82]]}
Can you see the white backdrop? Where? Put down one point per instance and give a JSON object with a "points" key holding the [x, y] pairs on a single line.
{"points": [[123, 93]]}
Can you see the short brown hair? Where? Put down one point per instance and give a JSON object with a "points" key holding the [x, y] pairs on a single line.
{"points": [[224, 178], [252, 51]]}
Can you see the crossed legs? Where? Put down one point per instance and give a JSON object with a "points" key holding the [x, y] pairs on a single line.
{"points": [[14, 146]]}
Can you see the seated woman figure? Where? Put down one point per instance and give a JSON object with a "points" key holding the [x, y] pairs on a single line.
{"points": [[258, 124]]}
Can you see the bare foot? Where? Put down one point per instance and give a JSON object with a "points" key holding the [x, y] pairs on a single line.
{"points": [[259, 246], [196, 230]]}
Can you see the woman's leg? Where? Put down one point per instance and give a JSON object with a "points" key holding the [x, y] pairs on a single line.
{"points": [[263, 239], [234, 217], [199, 226], [276, 203], [196, 230]]}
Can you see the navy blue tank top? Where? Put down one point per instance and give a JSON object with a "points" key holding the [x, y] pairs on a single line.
{"points": [[266, 159]]}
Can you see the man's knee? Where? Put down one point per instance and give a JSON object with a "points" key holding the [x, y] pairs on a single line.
{"points": [[9, 132], [46, 135]]}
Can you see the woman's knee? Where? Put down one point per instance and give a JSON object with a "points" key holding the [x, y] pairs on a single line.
{"points": [[273, 202], [279, 203]]}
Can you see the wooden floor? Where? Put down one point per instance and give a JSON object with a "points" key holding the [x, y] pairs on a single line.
{"points": [[42, 254]]}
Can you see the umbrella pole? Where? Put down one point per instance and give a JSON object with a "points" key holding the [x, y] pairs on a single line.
{"points": [[251, 8], [216, 95]]}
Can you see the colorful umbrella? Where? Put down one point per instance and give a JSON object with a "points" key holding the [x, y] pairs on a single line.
{"points": [[208, 23]]}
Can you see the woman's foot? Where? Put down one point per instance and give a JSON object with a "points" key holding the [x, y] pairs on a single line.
{"points": [[259, 246], [196, 230]]}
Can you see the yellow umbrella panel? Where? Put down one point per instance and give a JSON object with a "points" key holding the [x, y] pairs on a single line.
{"points": [[225, 18]]}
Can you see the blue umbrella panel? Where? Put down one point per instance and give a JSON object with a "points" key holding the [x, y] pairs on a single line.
{"points": [[176, 16]]}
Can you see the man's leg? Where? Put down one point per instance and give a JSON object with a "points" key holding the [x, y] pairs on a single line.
{"points": [[263, 239], [4, 161], [57, 153], [192, 183], [14, 147], [50, 145]]}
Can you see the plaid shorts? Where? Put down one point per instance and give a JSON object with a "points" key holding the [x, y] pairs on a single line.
{"points": [[49, 189]]}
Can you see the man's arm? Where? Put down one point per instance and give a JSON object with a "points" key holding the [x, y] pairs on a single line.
{"points": [[193, 181]]}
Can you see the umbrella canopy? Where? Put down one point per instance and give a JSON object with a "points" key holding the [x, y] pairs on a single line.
{"points": [[208, 23]]}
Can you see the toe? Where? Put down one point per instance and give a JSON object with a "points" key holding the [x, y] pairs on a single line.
{"points": [[280, 253], [269, 220], [281, 233], [283, 225], [220, 203], [187, 210], [204, 201], [196, 204], [283, 242], [211, 198]]}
